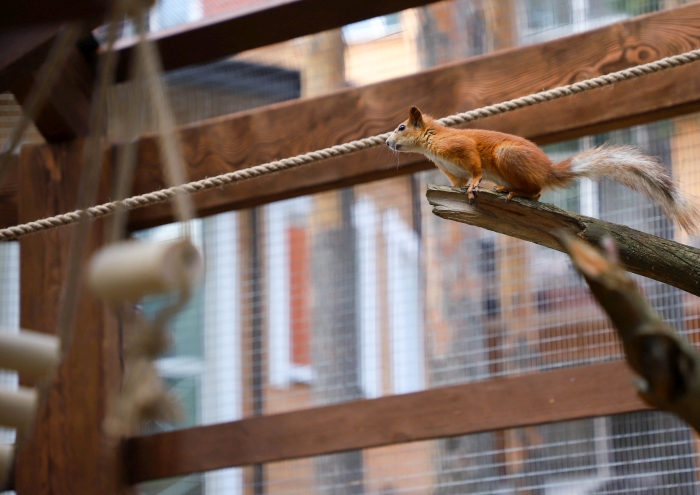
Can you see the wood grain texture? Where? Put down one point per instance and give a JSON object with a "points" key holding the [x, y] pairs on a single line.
{"points": [[644, 254], [249, 138], [457, 410], [66, 453], [252, 27]]}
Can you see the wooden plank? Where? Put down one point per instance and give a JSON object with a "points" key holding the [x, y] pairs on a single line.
{"points": [[66, 452], [253, 27], [644, 254], [559, 395], [39, 12], [249, 138]]}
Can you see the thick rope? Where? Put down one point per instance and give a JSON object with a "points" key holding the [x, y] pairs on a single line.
{"points": [[163, 195]]}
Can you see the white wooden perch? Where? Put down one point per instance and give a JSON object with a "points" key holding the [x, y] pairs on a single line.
{"points": [[7, 454], [17, 407], [129, 270], [33, 354]]}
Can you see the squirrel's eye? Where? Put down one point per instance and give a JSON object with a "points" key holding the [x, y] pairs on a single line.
{"points": [[402, 127]]}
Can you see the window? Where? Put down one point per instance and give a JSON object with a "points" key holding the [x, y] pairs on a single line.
{"points": [[405, 305], [365, 222], [287, 255], [542, 20], [171, 13], [204, 367]]}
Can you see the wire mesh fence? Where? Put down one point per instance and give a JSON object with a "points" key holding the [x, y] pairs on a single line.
{"points": [[363, 293], [644, 453]]}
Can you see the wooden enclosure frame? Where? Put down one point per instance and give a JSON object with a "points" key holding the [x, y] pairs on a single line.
{"points": [[45, 182]]}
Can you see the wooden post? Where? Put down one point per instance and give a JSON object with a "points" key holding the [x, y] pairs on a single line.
{"points": [[66, 452]]}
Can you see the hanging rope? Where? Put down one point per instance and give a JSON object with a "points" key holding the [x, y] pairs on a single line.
{"points": [[163, 195]]}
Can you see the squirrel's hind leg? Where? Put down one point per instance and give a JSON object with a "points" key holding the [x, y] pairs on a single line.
{"points": [[514, 193]]}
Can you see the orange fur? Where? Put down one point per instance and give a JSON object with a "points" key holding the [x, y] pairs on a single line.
{"points": [[511, 162], [517, 166]]}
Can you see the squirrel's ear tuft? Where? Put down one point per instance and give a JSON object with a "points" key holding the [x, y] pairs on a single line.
{"points": [[415, 117]]}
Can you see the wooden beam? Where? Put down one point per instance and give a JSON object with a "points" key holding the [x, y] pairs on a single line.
{"points": [[254, 27], [66, 452], [513, 402], [644, 254], [22, 50], [249, 138], [65, 114], [8, 197], [38, 12]]}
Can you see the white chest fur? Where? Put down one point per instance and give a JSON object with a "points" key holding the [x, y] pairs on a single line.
{"points": [[446, 165]]}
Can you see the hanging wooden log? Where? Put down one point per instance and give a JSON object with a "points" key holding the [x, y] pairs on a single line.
{"points": [[17, 407], [127, 271], [32, 354]]}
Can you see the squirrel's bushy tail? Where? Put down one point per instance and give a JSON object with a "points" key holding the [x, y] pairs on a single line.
{"points": [[642, 173]]}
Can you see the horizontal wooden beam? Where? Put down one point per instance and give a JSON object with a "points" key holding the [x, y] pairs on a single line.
{"points": [[644, 254], [38, 12], [560, 395], [249, 138], [254, 27]]}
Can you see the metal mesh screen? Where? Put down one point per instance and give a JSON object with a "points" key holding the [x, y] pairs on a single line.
{"points": [[363, 292]]}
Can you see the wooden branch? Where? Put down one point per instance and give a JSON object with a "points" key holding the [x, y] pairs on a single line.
{"points": [[660, 259], [249, 138], [457, 410], [669, 365], [254, 27]]}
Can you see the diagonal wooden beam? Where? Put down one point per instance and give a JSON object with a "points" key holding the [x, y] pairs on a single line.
{"points": [[64, 116], [253, 27], [22, 50], [65, 113], [560, 395]]}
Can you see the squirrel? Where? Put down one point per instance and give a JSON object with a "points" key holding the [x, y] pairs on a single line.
{"points": [[517, 166]]}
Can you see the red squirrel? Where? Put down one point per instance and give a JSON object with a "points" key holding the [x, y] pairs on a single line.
{"points": [[517, 166]]}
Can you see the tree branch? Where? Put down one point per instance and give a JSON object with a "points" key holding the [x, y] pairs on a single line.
{"points": [[644, 254], [668, 364]]}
